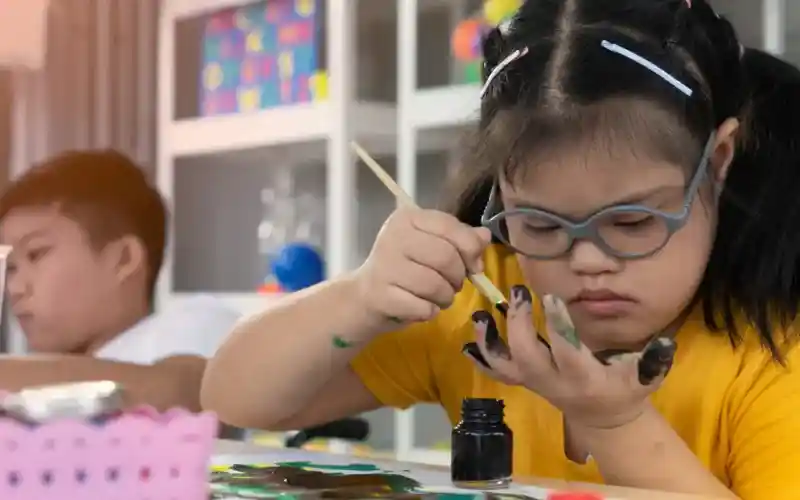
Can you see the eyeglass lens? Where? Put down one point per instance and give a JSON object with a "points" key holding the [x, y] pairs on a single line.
{"points": [[624, 232]]}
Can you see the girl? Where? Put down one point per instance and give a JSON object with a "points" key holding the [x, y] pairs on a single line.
{"points": [[637, 168]]}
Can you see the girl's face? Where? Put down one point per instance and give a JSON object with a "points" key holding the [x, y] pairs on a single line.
{"points": [[618, 303]]}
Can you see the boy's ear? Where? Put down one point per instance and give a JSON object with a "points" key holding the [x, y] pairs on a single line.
{"points": [[126, 257]]}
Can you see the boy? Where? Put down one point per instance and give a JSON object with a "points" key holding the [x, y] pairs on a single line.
{"points": [[88, 236]]}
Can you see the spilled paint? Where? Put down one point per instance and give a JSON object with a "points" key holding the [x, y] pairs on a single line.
{"points": [[340, 468], [306, 480]]}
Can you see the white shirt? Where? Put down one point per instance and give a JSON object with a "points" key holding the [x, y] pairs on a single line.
{"points": [[195, 326]]}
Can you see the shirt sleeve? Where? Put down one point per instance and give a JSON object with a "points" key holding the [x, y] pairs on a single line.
{"points": [[765, 432], [400, 368]]}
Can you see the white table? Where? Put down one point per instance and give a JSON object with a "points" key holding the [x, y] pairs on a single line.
{"points": [[234, 452]]}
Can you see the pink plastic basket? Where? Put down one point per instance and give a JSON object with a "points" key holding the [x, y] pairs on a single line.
{"points": [[142, 455]]}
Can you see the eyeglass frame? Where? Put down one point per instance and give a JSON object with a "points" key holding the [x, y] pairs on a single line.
{"points": [[586, 229]]}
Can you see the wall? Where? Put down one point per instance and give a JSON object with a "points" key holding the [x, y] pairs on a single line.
{"points": [[5, 123], [793, 31], [98, 87]]}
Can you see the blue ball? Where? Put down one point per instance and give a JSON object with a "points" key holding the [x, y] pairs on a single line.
{"points": [[297, 266]]}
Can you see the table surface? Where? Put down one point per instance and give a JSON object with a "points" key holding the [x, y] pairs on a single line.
{"points": [[232, 452]]}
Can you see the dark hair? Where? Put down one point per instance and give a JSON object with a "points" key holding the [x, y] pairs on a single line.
{"points": [[105, 192], [568, 87]]}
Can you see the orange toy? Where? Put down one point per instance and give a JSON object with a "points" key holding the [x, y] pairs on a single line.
{"points": [[466, 40], [269, 288]]}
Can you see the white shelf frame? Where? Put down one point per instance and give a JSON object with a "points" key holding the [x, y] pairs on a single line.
{"points": [[407, 46], [283, 126]]}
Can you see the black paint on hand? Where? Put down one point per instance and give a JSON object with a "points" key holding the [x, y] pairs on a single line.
{"points": [[521, 294], [494, 343], [656, 359], [471, 349]]}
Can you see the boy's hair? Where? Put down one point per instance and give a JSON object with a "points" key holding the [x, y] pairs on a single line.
{"points": [[103, 191], [569, 87]]}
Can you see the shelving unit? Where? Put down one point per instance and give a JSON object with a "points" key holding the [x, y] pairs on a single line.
{"points": [[284, 127], [315, 133], [211, 168]]}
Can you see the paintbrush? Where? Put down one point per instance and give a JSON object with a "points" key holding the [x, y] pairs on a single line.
{"points": [[479, 280]]}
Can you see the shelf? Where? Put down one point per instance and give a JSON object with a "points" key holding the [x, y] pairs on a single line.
{"points": [[179, 9], [451, 106], [283, 126]]}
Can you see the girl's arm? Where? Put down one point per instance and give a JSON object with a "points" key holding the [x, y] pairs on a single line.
{"points": [[281, 364], [648, 454], [284, 367]]}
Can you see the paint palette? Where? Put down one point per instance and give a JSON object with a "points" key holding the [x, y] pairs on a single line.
{"points": [[306, 480]]}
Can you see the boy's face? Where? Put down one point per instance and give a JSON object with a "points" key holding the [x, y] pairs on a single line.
{"points": [[63, 291]]}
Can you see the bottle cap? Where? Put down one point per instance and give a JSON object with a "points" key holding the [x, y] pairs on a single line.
{"points": [[575, 495], [482, 404], [483, 409]]}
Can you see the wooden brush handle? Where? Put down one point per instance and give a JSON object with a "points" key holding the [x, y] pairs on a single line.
{"points": [[479, 280]]}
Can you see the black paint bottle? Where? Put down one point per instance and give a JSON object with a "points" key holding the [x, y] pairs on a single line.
{"points": [[482, 446]]}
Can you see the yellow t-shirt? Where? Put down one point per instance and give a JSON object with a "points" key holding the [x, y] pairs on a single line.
{"points": [[735, 408]]}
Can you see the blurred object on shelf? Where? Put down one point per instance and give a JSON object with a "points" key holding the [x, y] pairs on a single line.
{"points": [[497, 11], [473, 72], [319, 86], [262, 56], [274, 228], [269, 288], [297, 266], [467, 38], [290, 234]]}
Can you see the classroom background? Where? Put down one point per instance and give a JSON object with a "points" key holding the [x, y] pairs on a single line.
{"points": [[243, 113]]}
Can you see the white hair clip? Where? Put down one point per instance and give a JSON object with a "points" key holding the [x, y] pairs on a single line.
{"points": [[612, 47], [502, 65]]}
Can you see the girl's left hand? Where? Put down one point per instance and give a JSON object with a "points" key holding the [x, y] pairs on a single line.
{"points": [[589, 392]]}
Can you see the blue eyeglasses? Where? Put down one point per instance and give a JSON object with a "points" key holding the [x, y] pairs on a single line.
{"points": [[623, 231]]}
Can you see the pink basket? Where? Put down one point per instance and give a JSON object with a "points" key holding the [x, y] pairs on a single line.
{"points": [[139, 456]]}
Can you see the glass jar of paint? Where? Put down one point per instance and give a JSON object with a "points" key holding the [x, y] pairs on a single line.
{"points": [[482, 446]]}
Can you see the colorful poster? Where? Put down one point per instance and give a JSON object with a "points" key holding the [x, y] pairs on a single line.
{"points": [[260, 56]]}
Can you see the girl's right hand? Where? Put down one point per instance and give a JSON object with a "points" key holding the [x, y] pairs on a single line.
{"points": [[417, 265]]}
